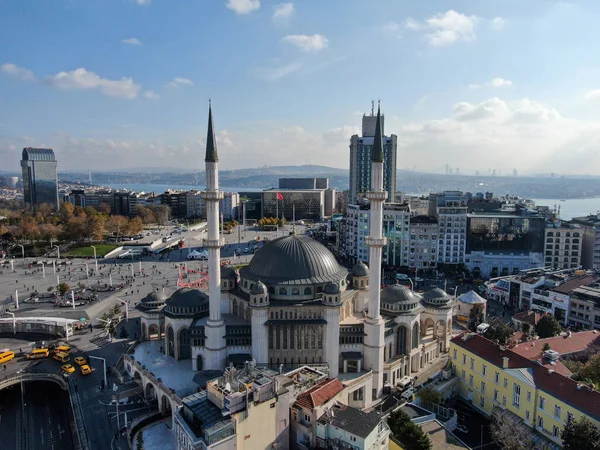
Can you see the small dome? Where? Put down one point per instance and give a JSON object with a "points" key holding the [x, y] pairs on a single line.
{"points": [[360, 269], [186, 297], [258, 289], [228, 272], [436, 297], [398, 293], [331, 289], [154, 298]]}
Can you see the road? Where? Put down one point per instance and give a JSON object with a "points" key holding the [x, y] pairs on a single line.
{"points": [[46, 418]]}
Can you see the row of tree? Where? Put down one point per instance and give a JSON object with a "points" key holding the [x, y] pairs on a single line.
{"points": [[271, 222], [76, 223]]}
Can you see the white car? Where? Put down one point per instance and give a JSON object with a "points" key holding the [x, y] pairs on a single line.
{"points": [[246, 250]]}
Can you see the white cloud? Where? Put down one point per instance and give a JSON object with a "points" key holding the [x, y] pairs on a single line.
{"points": [[274, 73], [132, 41], [180, 81], [306, 43], [151, 95], [82, 79], [498, 23], [21, 73], [495, 83], [283, 12], [143, 2], [593, 94], [243, 6], [445, 29]]}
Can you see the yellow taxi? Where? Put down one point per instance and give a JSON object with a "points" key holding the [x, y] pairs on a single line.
{"points": [[85, 370], [80, 361], [68, 368]]}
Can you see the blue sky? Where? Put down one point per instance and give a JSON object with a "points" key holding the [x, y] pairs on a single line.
{"points": [[475, 84]]}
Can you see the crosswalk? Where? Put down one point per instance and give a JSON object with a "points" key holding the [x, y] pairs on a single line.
{"points": [[100, 341]]}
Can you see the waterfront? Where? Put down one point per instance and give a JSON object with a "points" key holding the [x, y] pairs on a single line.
{"points": [[160, 188], [577, 207]]}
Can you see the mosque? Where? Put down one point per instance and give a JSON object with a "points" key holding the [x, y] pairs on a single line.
{"points": [[293, 304]]}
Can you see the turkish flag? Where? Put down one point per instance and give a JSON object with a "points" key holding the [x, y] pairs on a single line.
{"points": [[279, 196]]}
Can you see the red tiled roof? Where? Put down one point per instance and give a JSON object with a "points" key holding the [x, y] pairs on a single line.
{"points": [[553, 382], [531, 317], [320, 393], [570, 285], [564, 345]]}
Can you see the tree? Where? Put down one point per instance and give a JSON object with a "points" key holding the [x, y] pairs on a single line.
{"points": [[547, 327], [546, 347], [145, 214], [63, 288], [475, 318], [49, 231], [116, 225], [590, 372], [95, 227], [135, 226], [104, 208], [498, 330], [66, 211], [407, 432], [525, 327], [580, 434], [429, 395], [510, 436]]}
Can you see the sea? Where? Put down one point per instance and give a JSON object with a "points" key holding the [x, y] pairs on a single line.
{"points": [[570, 208]]}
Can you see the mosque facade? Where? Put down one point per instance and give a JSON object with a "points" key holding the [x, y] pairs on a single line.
{"points": [[294, 305]]}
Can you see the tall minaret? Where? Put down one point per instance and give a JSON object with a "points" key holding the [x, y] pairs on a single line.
{"points": [[215, 327], [374, 325]]}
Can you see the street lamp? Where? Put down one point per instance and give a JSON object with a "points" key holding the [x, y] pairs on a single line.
{"points": [[87, 271], [57, 251], [94, 248], [22, 250], [104, 365], [126, 309]]}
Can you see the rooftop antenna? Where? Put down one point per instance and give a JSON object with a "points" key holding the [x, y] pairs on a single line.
{"points": [[372, 107]]}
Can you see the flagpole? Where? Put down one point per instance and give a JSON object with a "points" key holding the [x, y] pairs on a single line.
{"points": [[277, 211]]}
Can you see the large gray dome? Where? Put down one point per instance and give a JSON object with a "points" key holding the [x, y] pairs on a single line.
{"points": [[331, 289], [228, 272], [293, 260], [360, 269], [258, 289]]}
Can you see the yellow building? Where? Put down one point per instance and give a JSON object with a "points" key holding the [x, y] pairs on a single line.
{"points": [[530, 393]]}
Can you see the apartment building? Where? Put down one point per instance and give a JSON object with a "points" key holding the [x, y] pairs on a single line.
{"points": [[563, 245], [450, 209], [590, 253], [532, 392], [423, 243]]}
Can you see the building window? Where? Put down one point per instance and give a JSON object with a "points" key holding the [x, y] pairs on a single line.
{"points": [[483, 387], [464, 375], [306, 418], [483, 369], [555, 431], [470, 380], [454, 354], [542, 403], [495, 395], [464, 359], [357, 395], [503, 400], [527, 415], [505, 383], [569, 417], [528, 396], [557, 411], [482, 401], [497, 378], [540, 422], [516, 395], [472, 364]]}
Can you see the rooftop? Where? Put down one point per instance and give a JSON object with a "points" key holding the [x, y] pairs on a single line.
{"points": [[564, 345], [352, 420], [530, 317], [569, 286], [442, 439], [320, 394]]}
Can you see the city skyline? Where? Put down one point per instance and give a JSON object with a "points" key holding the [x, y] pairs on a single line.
{"points": [[290, 85]]}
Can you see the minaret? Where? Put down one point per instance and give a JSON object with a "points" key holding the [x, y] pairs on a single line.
{"points": [[215, 327], [374, 324]]}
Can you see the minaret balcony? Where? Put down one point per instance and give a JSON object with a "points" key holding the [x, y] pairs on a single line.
{"points": [[376, 242], [213, 243], [377, 196], [212, 196]]}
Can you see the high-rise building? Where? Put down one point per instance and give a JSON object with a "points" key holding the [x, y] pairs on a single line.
{"points": [[360, 159], [40, 180], [450, 209]]}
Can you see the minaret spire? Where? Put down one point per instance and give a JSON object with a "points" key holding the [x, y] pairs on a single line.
{"points": [[377, 151], [211, 140]]}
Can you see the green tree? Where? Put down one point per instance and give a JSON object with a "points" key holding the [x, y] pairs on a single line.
{"points": [[546, 347], [63, 288], [475, 318], [525, 327], [580, 434], [547, 327], [590, 372], [429, 395], [498, 330], [408, 433]]}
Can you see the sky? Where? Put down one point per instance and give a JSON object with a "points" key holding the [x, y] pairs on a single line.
{"points": [[475, 84]]}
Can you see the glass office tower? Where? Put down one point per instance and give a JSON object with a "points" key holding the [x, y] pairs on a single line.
{"points": [[40, 180]]}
